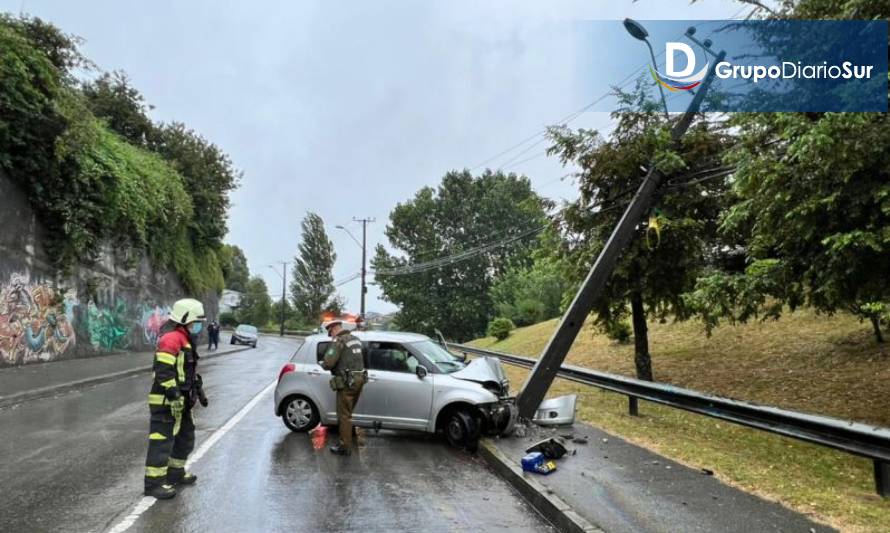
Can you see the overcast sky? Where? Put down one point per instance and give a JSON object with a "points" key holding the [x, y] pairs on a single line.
{"points": [[348, 108]]}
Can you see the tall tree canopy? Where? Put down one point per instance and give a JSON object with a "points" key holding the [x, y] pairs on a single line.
{"points": [[235, 270], [95, 168], [256, 305], [813, 207], [676, 242], [463, 213], [313, 280]]}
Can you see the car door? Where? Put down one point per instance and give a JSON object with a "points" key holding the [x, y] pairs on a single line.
{"points": [[394, 396], [319, 383]]}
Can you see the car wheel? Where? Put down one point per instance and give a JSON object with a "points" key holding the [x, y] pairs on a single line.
{"points": [[462, 430], [299, 414]]}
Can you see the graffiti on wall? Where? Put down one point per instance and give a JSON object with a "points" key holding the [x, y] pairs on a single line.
{"points": [[35, 321], [109, 326], [153, 317]]}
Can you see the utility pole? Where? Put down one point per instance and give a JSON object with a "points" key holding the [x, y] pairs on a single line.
{"points": [[283, 276], [364, 222], [538, 382]]}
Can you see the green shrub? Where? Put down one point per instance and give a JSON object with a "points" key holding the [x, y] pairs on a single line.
{"points": [[500, 328], [618, 330], [529, 312]]}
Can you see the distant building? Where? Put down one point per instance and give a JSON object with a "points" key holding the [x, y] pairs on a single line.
{"points": [[229, 301]]}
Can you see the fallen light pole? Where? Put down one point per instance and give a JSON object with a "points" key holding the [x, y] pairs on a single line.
{"points": [[542, 375]]}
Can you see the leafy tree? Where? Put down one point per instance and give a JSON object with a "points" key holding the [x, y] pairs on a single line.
{"points": [[256, 305], [87, 184], [464, 213], [813, 207], [113, 98], [528, 295], [208, 175], [234, 265], [313, 279], [677, 242]]}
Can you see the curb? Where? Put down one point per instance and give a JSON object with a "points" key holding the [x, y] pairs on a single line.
{"points": [[62, 388], [551, 506]]}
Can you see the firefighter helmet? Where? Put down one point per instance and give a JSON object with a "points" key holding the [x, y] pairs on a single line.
{"points": [[186, 311]]}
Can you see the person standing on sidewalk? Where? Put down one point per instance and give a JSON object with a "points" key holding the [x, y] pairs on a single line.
{"points": [[213, 336], [173, 389], [344, 360]]}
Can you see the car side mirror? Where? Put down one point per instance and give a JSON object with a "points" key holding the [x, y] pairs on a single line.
{"points": [[421, 371]]}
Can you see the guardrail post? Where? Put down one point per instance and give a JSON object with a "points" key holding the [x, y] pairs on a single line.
{"points": [[882, 478], [633, 408]]}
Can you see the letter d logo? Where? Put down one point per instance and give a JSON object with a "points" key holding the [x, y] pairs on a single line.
{"points": [[670, 49]]}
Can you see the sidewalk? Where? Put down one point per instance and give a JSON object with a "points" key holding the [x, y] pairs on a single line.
{"points": [[607, 484], [39, 380]]}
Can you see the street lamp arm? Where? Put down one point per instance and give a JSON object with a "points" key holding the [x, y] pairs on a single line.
{"points": [[351, 236]]}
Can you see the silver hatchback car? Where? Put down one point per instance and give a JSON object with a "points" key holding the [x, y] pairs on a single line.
{"points": [[414, 383]]}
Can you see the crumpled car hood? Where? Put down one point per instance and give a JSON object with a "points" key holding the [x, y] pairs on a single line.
{"points": [[482, 369]]}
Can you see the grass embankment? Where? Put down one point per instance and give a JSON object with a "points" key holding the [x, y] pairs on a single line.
{"points": [[805, 361]]}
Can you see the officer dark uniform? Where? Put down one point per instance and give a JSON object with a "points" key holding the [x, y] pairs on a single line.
{"points": [[344, 360], [174, 389]]}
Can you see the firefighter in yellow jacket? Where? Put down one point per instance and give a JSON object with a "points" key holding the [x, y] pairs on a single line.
{"points": [[174, 389]]}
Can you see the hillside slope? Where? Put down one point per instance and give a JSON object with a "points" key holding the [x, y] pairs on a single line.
{"points": [[804, 361]]}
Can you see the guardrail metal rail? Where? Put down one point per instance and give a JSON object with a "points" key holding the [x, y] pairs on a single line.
{"points": [[872, 442]]}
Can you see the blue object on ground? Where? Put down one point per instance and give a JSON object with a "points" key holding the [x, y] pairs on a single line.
{"points": [[532, 461]]}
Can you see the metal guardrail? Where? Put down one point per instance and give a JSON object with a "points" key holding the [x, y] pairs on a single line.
{"points": [[872, 442]]}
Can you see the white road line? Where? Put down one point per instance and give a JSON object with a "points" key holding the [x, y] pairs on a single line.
{"points": [[146, 502]]}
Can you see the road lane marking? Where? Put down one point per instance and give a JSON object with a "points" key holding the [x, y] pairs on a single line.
{"points": [[146, 502]]}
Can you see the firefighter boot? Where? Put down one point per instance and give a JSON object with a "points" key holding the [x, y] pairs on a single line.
{"points": [[161, 492], [176, 475], [184, 479]]}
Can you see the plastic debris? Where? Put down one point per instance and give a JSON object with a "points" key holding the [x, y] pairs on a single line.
{"points": [[550, 448]]}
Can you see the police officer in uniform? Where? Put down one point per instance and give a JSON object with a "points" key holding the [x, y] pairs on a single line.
{"points": [[344, 360], [175, 388]]}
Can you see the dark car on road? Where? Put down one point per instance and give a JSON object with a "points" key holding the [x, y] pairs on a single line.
{"points": [[245, 334]]}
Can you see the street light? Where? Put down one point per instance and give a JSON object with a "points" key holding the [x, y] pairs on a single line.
{"points": [[637, 31], [350, 235]]}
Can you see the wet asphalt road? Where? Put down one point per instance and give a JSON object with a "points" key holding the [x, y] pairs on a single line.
{"points": [[75, 463]]}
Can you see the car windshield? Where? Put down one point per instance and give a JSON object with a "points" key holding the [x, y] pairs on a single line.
{"points": [[444, 360], [246, 329]]}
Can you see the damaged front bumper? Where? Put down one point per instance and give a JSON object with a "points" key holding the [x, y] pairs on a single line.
{"points": [[499, 418], [556, 411]]}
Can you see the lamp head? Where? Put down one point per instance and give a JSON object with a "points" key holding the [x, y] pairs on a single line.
{"points": [[635, 29]]}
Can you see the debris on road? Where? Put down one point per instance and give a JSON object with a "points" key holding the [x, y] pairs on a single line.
{"points": [[534, 462], [550, 448], [580, 440], [707, 471], [556, 411]]}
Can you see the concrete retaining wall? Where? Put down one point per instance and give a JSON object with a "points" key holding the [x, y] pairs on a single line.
{"points": [[116, 304]]}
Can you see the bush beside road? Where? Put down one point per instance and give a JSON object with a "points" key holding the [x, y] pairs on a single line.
{"points": [[804, 361]]}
